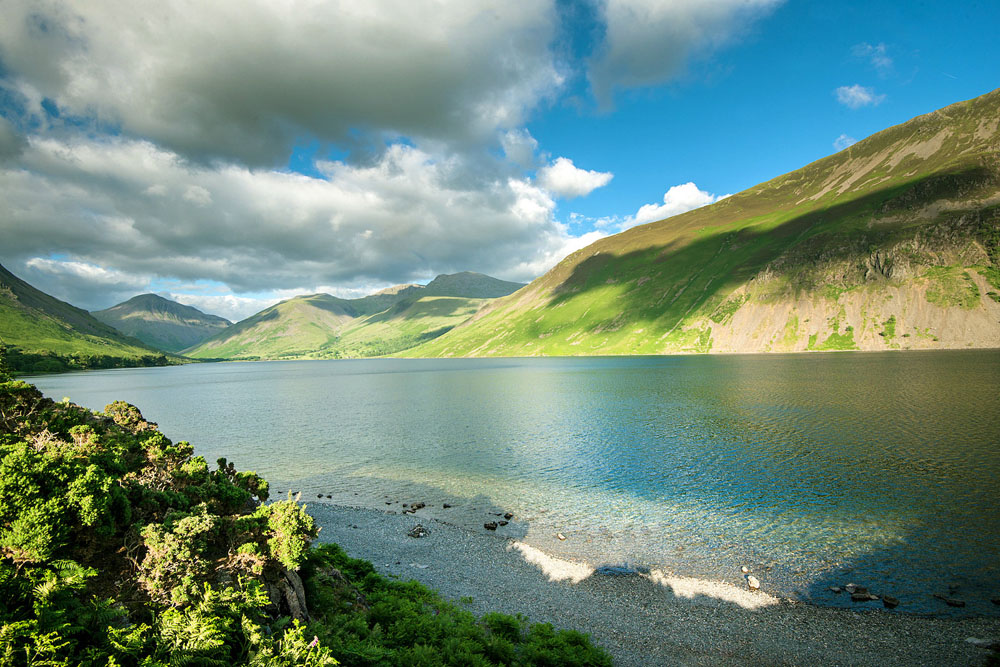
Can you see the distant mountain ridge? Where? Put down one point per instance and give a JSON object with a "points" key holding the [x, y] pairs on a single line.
{"points": [[325, 326], [893, 243], [161, 323], [52, 335]]}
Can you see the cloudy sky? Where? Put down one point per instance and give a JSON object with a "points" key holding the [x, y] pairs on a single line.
{"points": [[233, 153]]}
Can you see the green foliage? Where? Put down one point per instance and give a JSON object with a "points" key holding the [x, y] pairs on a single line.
{"points": [[889, 328], [949, 286], [120, 547]]}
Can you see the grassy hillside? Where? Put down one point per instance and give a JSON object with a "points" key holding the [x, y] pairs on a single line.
{"points": [[892, 243], [321, 326], [293, 328], [161, 323], [51, 335]]}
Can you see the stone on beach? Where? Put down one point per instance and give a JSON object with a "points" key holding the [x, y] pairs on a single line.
{"points": [[560, 536], [753, 583], [418, 531]]}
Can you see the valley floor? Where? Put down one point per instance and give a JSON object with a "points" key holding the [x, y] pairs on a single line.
{"points": [[638, 621]]}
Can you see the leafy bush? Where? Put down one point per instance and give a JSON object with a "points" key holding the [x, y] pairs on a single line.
{"points": [[121, 547]]}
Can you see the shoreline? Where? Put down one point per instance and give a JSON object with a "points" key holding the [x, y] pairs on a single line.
{"points": [[642, 619]]}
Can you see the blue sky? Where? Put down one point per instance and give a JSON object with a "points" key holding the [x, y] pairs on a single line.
{"points": [[256, 150]]}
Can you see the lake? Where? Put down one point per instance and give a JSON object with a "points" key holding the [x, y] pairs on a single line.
{"points": [[881, 469]]}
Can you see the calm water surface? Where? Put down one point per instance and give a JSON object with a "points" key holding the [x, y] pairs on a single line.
{"points": [[815, 470]]}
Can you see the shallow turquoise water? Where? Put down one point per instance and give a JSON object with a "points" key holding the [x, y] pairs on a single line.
{"points": [[881, 469]]}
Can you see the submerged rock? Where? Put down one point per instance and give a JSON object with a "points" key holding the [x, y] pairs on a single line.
{"points": [[508, 516], [836, 589], [951, 602], [502, 523], [490, 525], [890, 602]]}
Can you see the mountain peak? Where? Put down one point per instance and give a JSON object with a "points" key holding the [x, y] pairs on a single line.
{"points": [[161, 322]]}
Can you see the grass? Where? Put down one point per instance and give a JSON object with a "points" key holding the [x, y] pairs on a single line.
{"points": [[654, 288], [951, 286]]}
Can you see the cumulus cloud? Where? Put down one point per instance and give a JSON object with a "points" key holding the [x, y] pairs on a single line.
{"points": [[843, 141], [147, 212], [648, 42], [233, 308], [857, 96], [331, 70], [676, 200], [876, 54], [520, 147], [82, 284], [564, 179], [11, 141]]}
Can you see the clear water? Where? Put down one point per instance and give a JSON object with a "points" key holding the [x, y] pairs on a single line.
{"points": [[815, 470]]}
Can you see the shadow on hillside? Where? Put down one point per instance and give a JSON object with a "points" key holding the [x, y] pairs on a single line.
{"points": [[672, 279]]}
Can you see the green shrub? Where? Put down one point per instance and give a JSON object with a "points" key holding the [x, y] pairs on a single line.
{"points": [[120, 547]]}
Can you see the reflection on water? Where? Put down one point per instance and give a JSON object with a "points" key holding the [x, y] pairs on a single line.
{"points": [[882, 469]]}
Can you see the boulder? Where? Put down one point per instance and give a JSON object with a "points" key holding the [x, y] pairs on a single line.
{"points": [[490, 525], [890, 602], [951, 602], [753, 583]]}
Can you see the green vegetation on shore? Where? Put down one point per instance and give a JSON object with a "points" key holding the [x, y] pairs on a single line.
{"points": [[46, 335], [120, 547]]}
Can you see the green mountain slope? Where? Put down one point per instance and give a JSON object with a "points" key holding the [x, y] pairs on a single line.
{"points": [[161, 323], [294, 328], [892, 243], [467, 284], [321, 326], [52, 335]]}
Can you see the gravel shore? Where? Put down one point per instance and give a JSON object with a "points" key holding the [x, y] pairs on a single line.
{"points": [[650, 618]]}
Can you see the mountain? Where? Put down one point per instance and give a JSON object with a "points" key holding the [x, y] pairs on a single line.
{"points": [[893, 243], [467, 284], [161, 323], [324, 326], [51, 335]]}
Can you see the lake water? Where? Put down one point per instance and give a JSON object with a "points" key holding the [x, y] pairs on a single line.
{"points": [[814, 470]]}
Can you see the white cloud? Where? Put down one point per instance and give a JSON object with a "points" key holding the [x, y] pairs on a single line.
{"points": [[843, 141], [678, 199], [876, 54], [233, 308], [520, 147], [82, 284], [342, 72], [196, 195], [564, 179], [858, 96], [408, 215], [647, 42]]}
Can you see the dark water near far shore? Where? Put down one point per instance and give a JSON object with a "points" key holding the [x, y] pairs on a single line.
{"points": [[815, 470]]}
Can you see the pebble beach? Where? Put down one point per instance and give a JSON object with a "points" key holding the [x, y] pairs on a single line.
{"points": [[648, 617]]}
